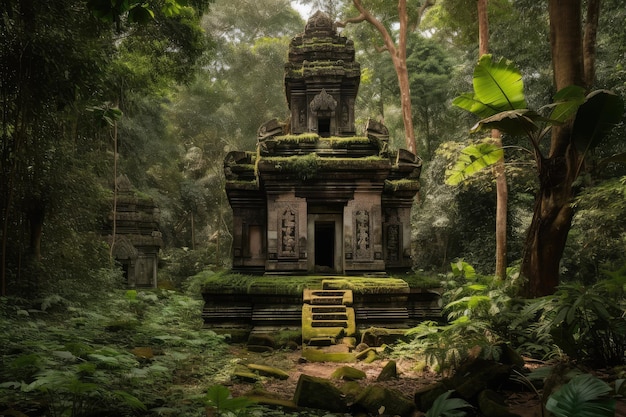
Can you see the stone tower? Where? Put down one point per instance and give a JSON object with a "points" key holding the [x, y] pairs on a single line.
{"points": [[322, 80], [315, 197]]}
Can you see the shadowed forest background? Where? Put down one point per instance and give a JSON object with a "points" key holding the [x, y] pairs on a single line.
{"points": [[161, 91]]}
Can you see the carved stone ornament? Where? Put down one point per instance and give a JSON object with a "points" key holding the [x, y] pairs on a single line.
{"points": [[323, 102], [320, 23], [287, 232], [362, 228]]}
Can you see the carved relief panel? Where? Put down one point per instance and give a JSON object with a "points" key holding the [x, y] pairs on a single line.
{"points": [[362, 230], [392, 236], [288, 233]]}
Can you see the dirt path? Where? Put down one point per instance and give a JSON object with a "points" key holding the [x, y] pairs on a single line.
{"points": [[525, 404]]}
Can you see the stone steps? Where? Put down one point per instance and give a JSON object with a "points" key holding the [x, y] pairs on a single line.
{"points": [[327, 315]]}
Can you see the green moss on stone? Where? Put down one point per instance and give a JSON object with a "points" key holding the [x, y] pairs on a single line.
{"points": [[367, 285], [302, 138], [418, 280], [402, 185], [232, 283], [348, 373], [316, 355]]}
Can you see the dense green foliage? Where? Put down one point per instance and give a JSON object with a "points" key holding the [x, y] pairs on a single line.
{"points": [[118, 351]]}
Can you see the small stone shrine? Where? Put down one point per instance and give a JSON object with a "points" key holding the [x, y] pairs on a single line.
{"points": [[315, 197], [137, 236]]}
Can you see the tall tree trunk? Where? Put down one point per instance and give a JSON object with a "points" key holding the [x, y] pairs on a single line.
{"points": [[398, 57], [35, 214], [114, 228], [502, 192], [589, 41], [502, 199], [552, 215], [405, 104]]}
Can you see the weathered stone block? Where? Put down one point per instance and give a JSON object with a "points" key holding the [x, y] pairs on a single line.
{"points": [[379, 400], [348, 373], [319, 393]]}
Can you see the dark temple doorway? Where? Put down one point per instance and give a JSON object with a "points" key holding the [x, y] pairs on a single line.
{"points": [[325, 246], [323, 127]]}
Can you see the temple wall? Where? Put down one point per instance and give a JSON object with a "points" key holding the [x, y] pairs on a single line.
{"points": [[286, 233], [249, 247], [363, 243], [397, 237]]}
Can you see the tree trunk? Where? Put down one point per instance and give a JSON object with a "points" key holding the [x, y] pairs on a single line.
{"points": [[35, 214], [502, 198], [552, 215], [502, 191], [405, 103], [398, 56], [589, 41], [114, 228]]}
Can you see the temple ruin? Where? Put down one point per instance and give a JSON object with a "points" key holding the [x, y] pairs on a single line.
{"points": [[316, 197], [321, 215]]}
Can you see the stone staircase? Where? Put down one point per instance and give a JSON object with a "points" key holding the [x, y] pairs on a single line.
{"points": [[327, 316]]}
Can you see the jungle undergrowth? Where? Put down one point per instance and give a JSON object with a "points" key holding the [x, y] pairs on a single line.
{"points": [[129, 352]]}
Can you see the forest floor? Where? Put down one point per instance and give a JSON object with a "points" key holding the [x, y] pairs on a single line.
{"points": [[521, 402]]}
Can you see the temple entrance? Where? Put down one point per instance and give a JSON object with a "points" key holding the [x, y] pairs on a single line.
{"points": [[324, 246], [323, 126]]}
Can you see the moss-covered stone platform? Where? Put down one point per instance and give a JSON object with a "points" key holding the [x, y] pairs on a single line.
{"points": [[237, 304]]}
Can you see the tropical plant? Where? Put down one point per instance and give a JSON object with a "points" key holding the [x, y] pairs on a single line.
{"points": [[498, 98], [477, 312], [218, 397], [444, 406], [583, 396], [585, 322]]}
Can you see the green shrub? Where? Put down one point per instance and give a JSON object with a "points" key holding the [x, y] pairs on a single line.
{"points": [[585, 322]]}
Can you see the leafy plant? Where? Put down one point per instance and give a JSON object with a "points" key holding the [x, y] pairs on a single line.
{"points": [[445, 346], [218, 397], [586, 322], [583, 396], [477, 311], [444, 406]]}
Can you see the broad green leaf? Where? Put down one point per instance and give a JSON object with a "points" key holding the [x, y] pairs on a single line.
{"points": [[217, 395], [582, 396], [566, 102], [513, 122], [595, 118], [444, 406], [472, 160], [498, 84], [467, 101], [476, 300]]}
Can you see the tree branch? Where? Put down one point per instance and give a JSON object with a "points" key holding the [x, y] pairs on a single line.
{"points": [[342, 24]]}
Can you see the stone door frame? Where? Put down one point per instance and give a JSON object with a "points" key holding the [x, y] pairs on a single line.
{"points": [[337, 220]]}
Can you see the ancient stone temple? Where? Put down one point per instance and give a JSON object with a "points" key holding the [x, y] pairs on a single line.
{"points": [[137, 236], [316, 197]]}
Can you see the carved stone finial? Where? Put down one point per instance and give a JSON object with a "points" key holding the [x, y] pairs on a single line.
{"points": [[319, 24]]}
